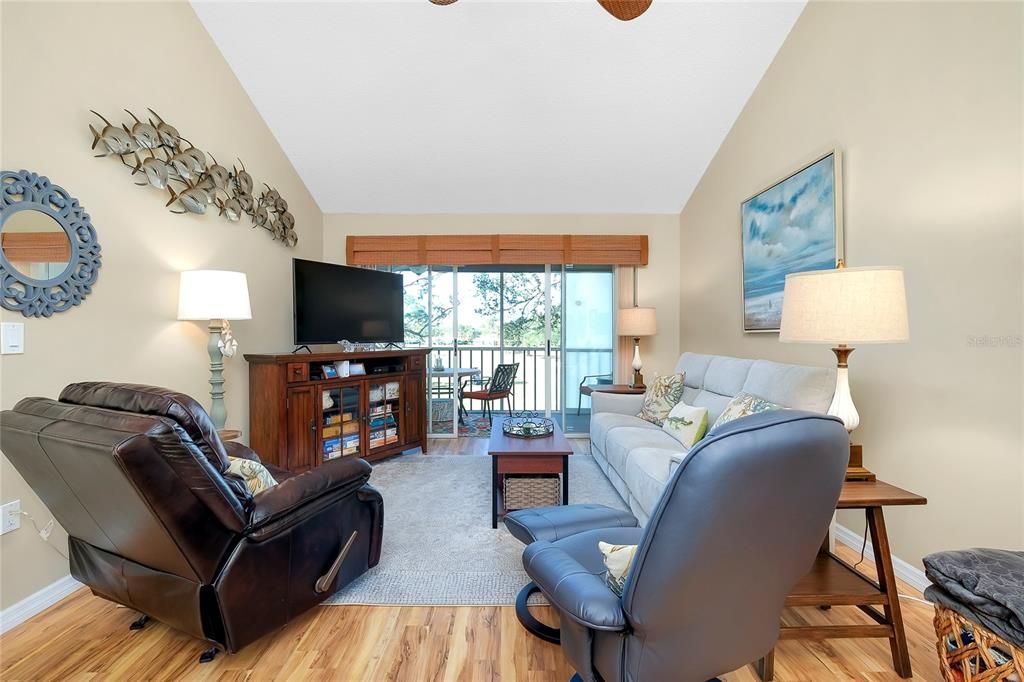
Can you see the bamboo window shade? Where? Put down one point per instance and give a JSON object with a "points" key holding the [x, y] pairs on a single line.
{"points": [[38, 247], [504, 249]]}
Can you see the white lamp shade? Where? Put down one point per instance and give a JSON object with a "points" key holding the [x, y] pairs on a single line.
{"points": [[846, 305], [213, 295], [636, 322]]}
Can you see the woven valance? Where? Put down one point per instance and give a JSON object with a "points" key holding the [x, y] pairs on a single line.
{"points": [[503, 249]]}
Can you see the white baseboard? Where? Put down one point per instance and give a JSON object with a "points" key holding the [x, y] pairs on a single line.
{"points": [[16, 614], [908, 573]]}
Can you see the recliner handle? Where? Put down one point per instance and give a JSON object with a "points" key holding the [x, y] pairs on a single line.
{"points": [[324, 582]]}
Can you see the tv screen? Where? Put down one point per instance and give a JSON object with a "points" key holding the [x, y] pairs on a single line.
{"points": [[335, 303]]}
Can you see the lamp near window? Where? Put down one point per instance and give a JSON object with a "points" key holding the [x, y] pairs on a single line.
{"points": [[636, 322], [840, 307], [217, 296]]}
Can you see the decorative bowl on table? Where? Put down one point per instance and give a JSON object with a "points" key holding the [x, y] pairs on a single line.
{"points": [[527, 425]]}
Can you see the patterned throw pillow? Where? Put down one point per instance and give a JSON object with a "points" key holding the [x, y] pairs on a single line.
{"points": [[744, 405], [256, 477], [617, 559], [661, 397], [687, 424]]}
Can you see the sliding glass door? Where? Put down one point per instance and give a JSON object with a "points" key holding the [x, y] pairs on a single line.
{"points": [[554, 323], [588, 342]]}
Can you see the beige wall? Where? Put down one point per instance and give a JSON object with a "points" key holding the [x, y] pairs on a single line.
{"points": [[59, 61], [925, 102], [658, 282]]}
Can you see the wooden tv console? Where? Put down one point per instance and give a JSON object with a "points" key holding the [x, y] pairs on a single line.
{"points": [[300, 417]]}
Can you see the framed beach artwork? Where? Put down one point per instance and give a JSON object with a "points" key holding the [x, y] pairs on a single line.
{"points": [[793, 226]]}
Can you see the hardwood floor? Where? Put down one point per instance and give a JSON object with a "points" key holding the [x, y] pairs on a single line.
{"points": [[87, 638]]}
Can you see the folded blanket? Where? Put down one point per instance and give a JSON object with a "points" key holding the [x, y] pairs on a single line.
{"points": [[983, 585]]}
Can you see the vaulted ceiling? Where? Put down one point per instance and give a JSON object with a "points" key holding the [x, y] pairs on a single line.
{"points": [[498, 106]]}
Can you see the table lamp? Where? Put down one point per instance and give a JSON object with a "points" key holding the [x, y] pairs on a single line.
{"points": [[217, 296], [845, 306], [637, 322]]}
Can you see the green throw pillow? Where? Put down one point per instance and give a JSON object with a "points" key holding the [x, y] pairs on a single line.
{"points": [[256, 477], [687, 424], [744, 405], [661, 397], [617, 559]]}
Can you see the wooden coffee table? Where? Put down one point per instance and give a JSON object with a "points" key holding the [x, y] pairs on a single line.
{"points": [[509, 455]]}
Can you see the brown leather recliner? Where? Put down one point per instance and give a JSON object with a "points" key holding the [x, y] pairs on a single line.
{"points": [[136, 475]]}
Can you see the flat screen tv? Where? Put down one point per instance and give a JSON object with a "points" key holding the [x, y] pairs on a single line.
{"points": [[337, 303]]}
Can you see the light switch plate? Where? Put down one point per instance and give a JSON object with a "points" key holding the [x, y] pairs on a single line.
{"points": [[12, 338]]}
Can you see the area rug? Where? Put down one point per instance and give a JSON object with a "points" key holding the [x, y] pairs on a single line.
{"points": [[439, 547], [471, 427]]}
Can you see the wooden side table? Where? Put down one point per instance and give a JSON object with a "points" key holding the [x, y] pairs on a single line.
{"points": [[624, 389], [833, 582], [229, 434]]}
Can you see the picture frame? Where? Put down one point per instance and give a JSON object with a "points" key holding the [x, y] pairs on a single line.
{"points": [[356, 369], [329, 371], [793, 225]]}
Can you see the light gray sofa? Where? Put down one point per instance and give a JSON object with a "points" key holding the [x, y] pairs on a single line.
{"points": [[638, 457]]}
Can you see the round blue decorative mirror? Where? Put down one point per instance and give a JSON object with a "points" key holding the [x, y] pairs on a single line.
{"points": [[49, 256]]}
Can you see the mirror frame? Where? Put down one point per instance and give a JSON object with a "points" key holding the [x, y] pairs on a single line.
{"points": [[25, 191]]}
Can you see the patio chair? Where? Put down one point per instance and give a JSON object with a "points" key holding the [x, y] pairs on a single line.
{"points": [[602, 379], [498, 388]]}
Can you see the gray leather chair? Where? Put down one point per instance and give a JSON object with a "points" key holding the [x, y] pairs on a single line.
{"points": [[738, 525]]}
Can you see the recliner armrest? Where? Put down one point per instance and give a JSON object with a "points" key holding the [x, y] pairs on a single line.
{"points": [[235, 449], [617, 403], [676, 459], [348, 473], [574, 590]]}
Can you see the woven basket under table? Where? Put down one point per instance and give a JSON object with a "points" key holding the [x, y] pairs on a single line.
{"points": [[961, 661], [525, 491]]}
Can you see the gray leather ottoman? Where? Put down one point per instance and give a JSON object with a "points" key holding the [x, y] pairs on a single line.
{"points": [[558, 523]]}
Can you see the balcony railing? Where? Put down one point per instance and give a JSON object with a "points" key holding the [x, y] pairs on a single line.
{"points": [[529, 390]]}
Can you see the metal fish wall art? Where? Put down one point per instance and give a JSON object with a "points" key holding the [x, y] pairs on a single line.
{"points": [[158, 155], [117, 141], [144, 135]]}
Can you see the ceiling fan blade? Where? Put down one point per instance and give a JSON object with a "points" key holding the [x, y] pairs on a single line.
{"points": [[624, 9]]}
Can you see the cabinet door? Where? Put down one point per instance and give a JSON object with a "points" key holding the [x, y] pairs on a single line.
{"points": [[302, 416], [384, 413], [341, 422], [414, 400]]}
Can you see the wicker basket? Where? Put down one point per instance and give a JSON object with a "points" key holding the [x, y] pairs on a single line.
{"points": [[532, 490], [974, 661]]}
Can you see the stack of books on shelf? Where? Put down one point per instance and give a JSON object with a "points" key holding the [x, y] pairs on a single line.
{"points": [[332, 448], [350, 444]]}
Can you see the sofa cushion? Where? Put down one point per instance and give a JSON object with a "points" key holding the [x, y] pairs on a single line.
{"points": [[617, 559], [647, 474], [715, 403], [255, 476], [744, 405], [726, 376], [602, 423], [793, 386], [624, 440], [687, 424], [661, 397]]}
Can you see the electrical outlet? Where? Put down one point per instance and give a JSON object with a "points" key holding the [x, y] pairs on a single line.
{"points": [[10, 517]]}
